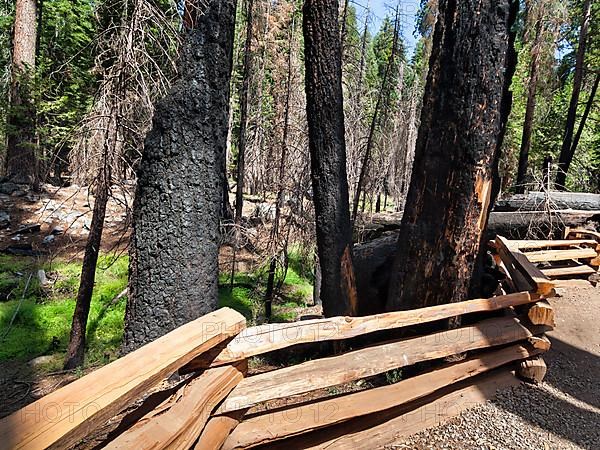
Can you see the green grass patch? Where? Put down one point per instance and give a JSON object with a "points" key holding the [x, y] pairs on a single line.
{"points": [[43, 321]]}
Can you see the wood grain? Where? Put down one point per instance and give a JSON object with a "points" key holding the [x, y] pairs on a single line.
{"points": [[288, 422], [180, 425], [265, 338], [63, 417], [521, 268], [381, 429], [561, 255], [327, 372]]}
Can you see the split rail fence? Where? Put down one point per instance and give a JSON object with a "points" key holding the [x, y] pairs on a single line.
{"points": [[306, 405]]}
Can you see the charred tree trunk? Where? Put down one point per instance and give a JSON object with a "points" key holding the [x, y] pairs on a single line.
{"points": [[241, 160], [529, 111], [566, 155], [451, 187], [174, 261], [21, 161], [327, 147]]}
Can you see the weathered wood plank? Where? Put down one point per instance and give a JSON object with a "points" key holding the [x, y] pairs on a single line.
{"points": [[332, 371], [218, 429], [65, 416], [273, 426], [180, 425], [568, 271], [519, 266], [381, 429], [539, 244], [560, 255], [265, 338]]}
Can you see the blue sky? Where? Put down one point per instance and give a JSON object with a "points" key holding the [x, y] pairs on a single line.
{"points": [[381, 8]]}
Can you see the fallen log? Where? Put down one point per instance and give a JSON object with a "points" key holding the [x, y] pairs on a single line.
{"points": [[179, 426], [265, 338], [381, 429], [521, 223], [273, 426], [540, 201], [355, 365], [61, 419]]}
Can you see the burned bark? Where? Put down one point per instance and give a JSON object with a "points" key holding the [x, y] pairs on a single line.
{"points": [[461, 123], [174, 261], [325, 114]]}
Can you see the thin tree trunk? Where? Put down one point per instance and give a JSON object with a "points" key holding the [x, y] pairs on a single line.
{"points": [[175, 244], [586, 113], [241, 161], [281, 189], [76, 347], [462, 120], [325, 114], [21, 161], [383, 92], [529, 111], [566, 156]]}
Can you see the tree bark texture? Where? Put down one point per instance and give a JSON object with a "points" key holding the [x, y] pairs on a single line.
{"points": [[327, 147], [566, 155], [21, 161], [174, 261], [461, 123], [529, 111]]}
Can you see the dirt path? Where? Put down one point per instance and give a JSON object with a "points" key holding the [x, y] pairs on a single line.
{"points": [[561, 413]]}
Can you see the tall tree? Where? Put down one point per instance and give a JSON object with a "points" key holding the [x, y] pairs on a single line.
{"points": [[566, 155], [21, 161], [462, 120], [241, 159], [529, 109], [325, 114], [174, 260]]}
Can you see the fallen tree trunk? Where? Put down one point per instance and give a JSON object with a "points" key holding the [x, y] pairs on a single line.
{"points": [[540, 201]]}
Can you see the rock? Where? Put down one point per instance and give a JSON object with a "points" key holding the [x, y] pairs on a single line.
{"points": [[41, 274], [4, 219], [19, 193], [41, 360], [48, 240], [57, 230], [8, 188]]}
